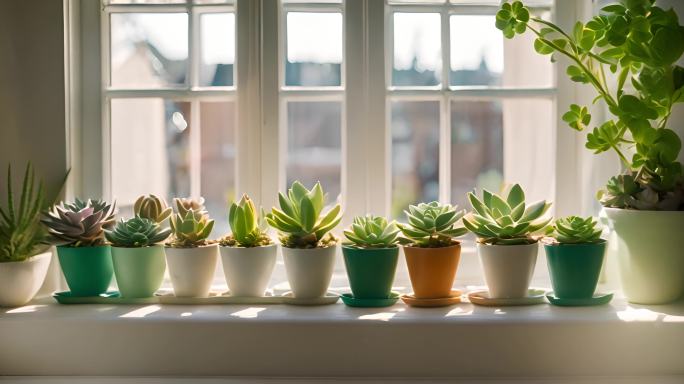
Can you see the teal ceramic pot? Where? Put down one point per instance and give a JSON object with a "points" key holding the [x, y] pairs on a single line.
{"points": [[575, 268], [88, 270], [371, 271], [140, 271]]}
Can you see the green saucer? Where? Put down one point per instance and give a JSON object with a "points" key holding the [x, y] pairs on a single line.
{"points": [[597, 299], [351, 301], [110, 297]]}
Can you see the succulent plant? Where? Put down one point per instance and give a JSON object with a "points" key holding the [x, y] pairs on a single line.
{"points": [[508, 221], [300, 219], [80, 223], [152, 207], [372, 232], [432, 225], [624, 192], [249, 228], [190, 225], [137, 232], [575, 230]]}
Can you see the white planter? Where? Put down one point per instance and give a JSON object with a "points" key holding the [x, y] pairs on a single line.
{"points": [[248, 270], [650, 253], [508, 269], [192, 269], [309, 271], [20, 280]]}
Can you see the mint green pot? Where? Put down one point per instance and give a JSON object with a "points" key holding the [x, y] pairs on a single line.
{"points": [[575, 268], [140, 271], [371, 271], [88, 270]]}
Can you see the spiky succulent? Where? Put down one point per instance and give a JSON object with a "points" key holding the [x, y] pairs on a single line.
{"points": [[300, 220], [372, 232], [152, 207], [432, 225], [249, 228], [137, 232], [80, 223], [190, 224], [624, 192], [508, 221], [574, 230]]}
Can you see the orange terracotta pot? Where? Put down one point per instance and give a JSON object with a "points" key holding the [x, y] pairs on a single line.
{"points": [[432, 270]]}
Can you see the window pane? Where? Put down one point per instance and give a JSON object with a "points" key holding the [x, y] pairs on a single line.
{"points": [[314, 49], [314, 145], [144, 1], [149, 149], [149, 50], [417, 49], [477, 56], [218, 49], [415, 154]]}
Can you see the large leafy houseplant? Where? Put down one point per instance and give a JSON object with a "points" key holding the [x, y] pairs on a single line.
{"points": [[639, 43]]}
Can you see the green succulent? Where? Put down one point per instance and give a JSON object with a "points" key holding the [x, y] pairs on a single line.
{"points": [[508, 221], [80, 223], [190, 224], [137, 232], [152, 207], [575, 230], [249, 229], [432, 225], [372, 232], [300, 220], [624, 192]]}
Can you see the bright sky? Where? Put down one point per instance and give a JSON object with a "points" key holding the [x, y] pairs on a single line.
{"points": [[314, 37]]}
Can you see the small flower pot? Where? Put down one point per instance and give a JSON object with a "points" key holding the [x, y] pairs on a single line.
{"points": [[20, 280], [248, 270], [139, 272], [432, 270], [309, 270], [88, 270], [508, 269], [370, 271], [575, 268], [192, 269]]}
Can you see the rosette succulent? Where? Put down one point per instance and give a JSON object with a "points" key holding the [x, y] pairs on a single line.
{"points": [[137, 232], [575, 230], [372, 232], [432, 225], [190, 224], [508, 221], [248, 227], [152, 207], [300, 220], [80, 223]]}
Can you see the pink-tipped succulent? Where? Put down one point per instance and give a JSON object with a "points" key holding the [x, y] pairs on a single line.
{"points": [[81, 223]]}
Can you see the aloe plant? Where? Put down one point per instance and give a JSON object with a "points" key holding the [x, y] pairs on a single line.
{"points": [[300, 220], [372, 232], [506, 221], [190, 224], [575, 230], [80, 223], [152, 207], [432, 225], [137, 232], [249, 228]]}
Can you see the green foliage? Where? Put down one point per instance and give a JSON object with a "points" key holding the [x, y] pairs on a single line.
{"points": [[21, 234], [372, 232], [432, 225], [190, 224], [152, 207], [508, 221], [640, 43], [575, 230], [80, 223], [249, 229], [300, 220], [137, 232], [624, 192]]}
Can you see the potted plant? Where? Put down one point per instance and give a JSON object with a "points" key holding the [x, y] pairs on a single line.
{"points": [[152, 207], [432, 253], [248, 253], [506, 242], [190, 256], [371, 258], [640, 43], [24, 259], [304, 233], [138, 256]]}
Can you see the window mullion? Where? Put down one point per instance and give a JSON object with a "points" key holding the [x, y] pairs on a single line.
{"points": [[445, 115]]}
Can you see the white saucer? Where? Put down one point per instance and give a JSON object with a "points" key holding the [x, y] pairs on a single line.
{"points": [[481, 297], [219, 298], [329, 298]]}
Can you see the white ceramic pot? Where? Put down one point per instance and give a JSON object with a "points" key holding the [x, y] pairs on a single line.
{"points": [[192, 269], [309, 271], [650, 253], [248, 270], [508, 269], [20, 280]]}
